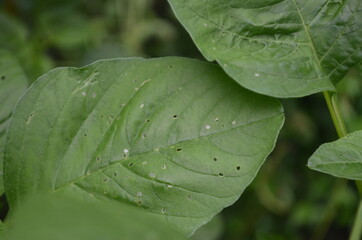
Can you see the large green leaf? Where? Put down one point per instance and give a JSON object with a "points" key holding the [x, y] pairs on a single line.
{"points": [[282, 48], [12, 84], [342, 158], [47, 218], [175, 136]]}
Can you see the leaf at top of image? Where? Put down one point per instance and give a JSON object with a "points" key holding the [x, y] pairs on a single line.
{"points": [[13, 83], [341, 158], [174, 136], [280, 48]]}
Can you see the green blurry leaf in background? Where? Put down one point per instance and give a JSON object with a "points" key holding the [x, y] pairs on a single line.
{"points": [[175, 136], [15, 39], [342, 158], [13, 33], [276, 47], [45, 218], [12, 85]]}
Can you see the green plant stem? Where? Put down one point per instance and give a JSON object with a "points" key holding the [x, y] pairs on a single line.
{"points": [[357, 226], [333, 106]]}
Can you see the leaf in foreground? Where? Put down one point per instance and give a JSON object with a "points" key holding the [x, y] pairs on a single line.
{"points": [[281, 48], [45, 218], [174, 136], [342, 158], [12, 85]]}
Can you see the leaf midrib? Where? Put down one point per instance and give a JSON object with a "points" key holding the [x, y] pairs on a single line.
{"points": [[244, 37], [312, 45], [309, 37]]}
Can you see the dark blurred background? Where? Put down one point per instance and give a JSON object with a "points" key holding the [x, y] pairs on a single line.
{"points": [[286, 200]]}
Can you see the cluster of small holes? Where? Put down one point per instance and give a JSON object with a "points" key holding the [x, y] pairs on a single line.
{"points": [[153, 175]]}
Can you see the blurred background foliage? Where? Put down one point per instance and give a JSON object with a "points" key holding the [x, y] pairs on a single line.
{"points": [[286, 200]]}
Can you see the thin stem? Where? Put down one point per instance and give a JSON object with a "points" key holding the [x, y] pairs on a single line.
{"points": [[357, 226], [333, 106]]}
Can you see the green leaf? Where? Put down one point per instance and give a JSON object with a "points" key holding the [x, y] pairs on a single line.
{"points": [[12, 85], [342, 158], [175, 136], [44, 218], [276, 47]]}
